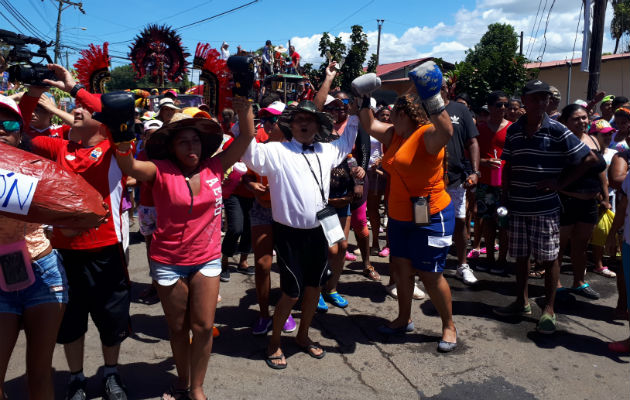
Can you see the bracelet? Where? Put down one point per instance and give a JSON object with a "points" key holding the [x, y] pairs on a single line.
{"points": [[126, 153]]}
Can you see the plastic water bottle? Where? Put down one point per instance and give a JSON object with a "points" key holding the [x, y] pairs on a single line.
{"points": [[352, 162]]}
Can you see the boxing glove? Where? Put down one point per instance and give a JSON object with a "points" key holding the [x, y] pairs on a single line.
{"points": [[428, 80], [117, 113], [242, 68], [366, 84]]}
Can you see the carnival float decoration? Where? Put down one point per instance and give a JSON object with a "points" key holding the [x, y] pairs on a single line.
{"points": [[215, 76], [93, 68]]}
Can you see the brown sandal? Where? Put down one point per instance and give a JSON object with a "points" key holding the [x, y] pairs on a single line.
{"points": [[370, 273]]}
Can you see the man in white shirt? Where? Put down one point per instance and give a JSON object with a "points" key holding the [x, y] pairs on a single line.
{"points": [[298, 172]]}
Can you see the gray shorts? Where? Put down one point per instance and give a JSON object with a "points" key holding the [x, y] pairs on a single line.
{"points": [[259, 215]]}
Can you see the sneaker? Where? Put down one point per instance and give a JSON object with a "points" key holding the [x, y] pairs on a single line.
{"points": [[113, 388], [465, 274], [225, 275], [384, 252], [418, 294], [587, 291], [357, 252], [321, 304], [513, 309], [474, 253], [289, 325], [250, 270], [263, 325], [350, 257], [76, 390], [391, 290], [336, 299], [546, 324]]}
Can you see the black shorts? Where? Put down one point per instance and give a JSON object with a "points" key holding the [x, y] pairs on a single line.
{"points": [[99, 286], [578, 210], [302, 258]]}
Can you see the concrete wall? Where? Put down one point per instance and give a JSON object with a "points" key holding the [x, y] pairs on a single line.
{"points": [[614, 79]]}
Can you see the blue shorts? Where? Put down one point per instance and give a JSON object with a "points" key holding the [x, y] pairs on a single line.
{"points": [[426, 246], [50, 286], [167, 275]]}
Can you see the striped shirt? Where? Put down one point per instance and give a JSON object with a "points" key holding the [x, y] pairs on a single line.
{"points": [[543, 156]]}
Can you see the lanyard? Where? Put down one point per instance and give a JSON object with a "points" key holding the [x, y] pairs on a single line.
{"points": [[321, 189]]}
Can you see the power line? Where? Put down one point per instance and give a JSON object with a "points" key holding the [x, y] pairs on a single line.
{"points": [[351, 15], [531, 35], [12, 24], [577, 29], [218, 15], [545, 33], [531, 50]]}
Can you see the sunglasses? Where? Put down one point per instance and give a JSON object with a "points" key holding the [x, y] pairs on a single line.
{"points": [[345, 101], [273, 120], [10, 126], [500, 105]]}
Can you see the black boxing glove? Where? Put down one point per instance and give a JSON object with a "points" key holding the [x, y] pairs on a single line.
{"points": [[117, 113], [242, 68]]}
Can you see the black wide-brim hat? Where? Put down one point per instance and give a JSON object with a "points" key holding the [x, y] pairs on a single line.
{"points": [[210, 134], [324, 119]]}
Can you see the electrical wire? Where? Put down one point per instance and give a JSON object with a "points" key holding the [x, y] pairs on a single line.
{"points": [[32, 29], [531, 35], [351, 15], [11, 22], [545, 33], [218, 15], [531, 51], [577, 29]]}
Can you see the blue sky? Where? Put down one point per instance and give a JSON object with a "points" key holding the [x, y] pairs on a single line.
{"points": [[411, 29]]}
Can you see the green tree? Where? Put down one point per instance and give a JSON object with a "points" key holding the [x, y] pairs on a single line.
{"points": [[353, 65], [124, 77], [493, 64], [371, 67], [620, 24]]}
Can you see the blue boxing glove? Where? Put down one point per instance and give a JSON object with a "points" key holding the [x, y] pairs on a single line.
{"points": [[428, 80]]}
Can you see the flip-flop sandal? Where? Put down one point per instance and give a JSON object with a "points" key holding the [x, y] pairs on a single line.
{"points": [[272, 365], [313, 346], [537, 274]]}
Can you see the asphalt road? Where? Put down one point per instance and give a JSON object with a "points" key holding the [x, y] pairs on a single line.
{"points": [[497, 358]]}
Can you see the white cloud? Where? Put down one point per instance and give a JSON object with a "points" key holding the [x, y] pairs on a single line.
{"points": [[450, 40]]}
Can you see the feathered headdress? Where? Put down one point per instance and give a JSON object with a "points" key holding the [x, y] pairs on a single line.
{"points": [[217, 79], [93, 68], [158, 50]]}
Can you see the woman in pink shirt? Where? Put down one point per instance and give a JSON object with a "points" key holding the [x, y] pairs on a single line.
{"points": [[186, 247]]}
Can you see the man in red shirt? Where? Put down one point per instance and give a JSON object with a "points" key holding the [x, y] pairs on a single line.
{"points": [[295, 60], [93, 259]]}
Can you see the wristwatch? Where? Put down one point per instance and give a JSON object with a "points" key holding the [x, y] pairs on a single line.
{"points": [[75, 89], [478, 173]]}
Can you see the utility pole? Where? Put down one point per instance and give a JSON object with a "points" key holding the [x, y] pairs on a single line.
{"points": [[521, 47], [378, 44], [67, 62], [63, 4], [595, 60]]}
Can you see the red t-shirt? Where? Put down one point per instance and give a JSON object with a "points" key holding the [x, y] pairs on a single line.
{"points": [[52, 131], [489, 142], [99, 168], [295, 58], [182, 237]]}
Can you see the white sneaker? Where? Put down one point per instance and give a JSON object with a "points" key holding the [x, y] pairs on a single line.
{"points": [[465, 274], [418, 294], [391, 290]]}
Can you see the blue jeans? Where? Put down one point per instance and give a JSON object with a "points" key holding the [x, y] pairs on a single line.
{"points": [[50, 286], [238, 226]]}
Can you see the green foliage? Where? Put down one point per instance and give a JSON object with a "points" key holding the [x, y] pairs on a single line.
{"points": [[353, 66], [371, 67], [494, 64], [353, 58], [620, 24], [124, 77]]}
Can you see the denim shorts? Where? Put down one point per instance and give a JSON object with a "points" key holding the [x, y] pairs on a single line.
{"points": [[426, 246], [50, 286], [167, 275]]}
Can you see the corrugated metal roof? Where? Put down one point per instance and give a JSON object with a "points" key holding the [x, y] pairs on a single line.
{"points": [[551, 64]]}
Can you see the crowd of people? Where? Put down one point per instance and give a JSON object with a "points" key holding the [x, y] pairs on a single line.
{"points": [[519, 178]]}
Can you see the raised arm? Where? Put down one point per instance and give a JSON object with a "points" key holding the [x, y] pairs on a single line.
{"points": [[320, 97], [247, 133], [50, 106], [66, 82], [143, 171], [380, 131]]}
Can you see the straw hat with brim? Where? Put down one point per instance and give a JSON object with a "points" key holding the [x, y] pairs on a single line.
{"points": [[210, 133], [325, 120], [280, 49]]}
